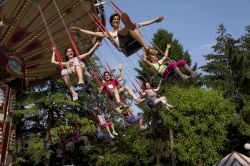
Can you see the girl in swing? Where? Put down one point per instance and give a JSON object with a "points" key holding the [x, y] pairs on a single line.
{"points": [[105, 125], [110, 86], [131, 119], [164, 70], [153, 100], [73, 65], [122, 34]]}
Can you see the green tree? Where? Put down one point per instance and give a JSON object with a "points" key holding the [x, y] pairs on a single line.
{"points": [[199, 118], [228, 70]]}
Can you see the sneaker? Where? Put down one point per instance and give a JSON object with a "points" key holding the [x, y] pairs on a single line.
{"points": [[87, 147], [195, 74], [81, 86], [111, 136], [127, 22], [115, 133], [142, 128], [185, 77]]}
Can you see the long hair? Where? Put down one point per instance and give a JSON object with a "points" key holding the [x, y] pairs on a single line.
{"points": [[65, 52]]}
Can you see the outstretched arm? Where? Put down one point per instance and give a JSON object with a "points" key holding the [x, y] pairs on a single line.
{"points": [[158, 88], [144, 59], [101, 89], [121, 72], [90, 51], [142, 93], [53, 58], [145, 23], [165, 54], [77, 29]]}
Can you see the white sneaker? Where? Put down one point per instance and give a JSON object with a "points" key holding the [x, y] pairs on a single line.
{"points": [[185, 77], [112, 136], [142, 128], [115, 133], [195, 74]]}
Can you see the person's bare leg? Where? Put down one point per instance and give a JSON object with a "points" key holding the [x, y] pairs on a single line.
{"points": [[70, 87], [188, 69], [162, 100], [140, 123], [180, 74], [137, 36], [117, 96], [108, 130], [113, 129], [79, 74], [130, 92]]}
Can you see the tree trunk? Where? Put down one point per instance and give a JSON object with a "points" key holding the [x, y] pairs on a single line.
{"points": [[173, 154]]}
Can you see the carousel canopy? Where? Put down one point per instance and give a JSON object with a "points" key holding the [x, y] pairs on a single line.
{"points": [[234, 159], [25, 47]]}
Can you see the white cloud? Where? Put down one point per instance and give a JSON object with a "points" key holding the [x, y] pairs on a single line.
{"points": [[204, 46]]}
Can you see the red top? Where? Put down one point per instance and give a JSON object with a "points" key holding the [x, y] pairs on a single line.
{"points": [[109, 86]]}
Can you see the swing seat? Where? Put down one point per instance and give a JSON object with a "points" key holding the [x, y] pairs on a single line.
{"points": [[130, 47]]}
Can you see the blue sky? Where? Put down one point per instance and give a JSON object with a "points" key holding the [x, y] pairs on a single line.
{"points": [[193, 22]]}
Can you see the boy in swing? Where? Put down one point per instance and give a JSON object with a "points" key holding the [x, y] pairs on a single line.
{"points": [[110, 86], [73, 65]]}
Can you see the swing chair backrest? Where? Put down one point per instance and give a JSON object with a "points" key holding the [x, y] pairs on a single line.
{"points": [[130, 46]]}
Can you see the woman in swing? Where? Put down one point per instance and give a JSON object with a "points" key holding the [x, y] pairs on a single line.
{"points": [[110, 86], [163, 70], [153, 100], [121, 34], [73, 65]]}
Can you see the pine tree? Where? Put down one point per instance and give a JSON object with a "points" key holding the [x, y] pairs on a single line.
{"points": [[228, 70]]}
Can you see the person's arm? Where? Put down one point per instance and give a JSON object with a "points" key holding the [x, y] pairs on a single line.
{"points": [[144, 59], [145, 23], [53, 59], [158, 88], [121, 73], [101, 89], [165, 54], [90, 51], [143, 94], [77, 29]]}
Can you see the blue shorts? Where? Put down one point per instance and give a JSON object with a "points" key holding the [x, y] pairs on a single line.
{"points": [[151, 103]]}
